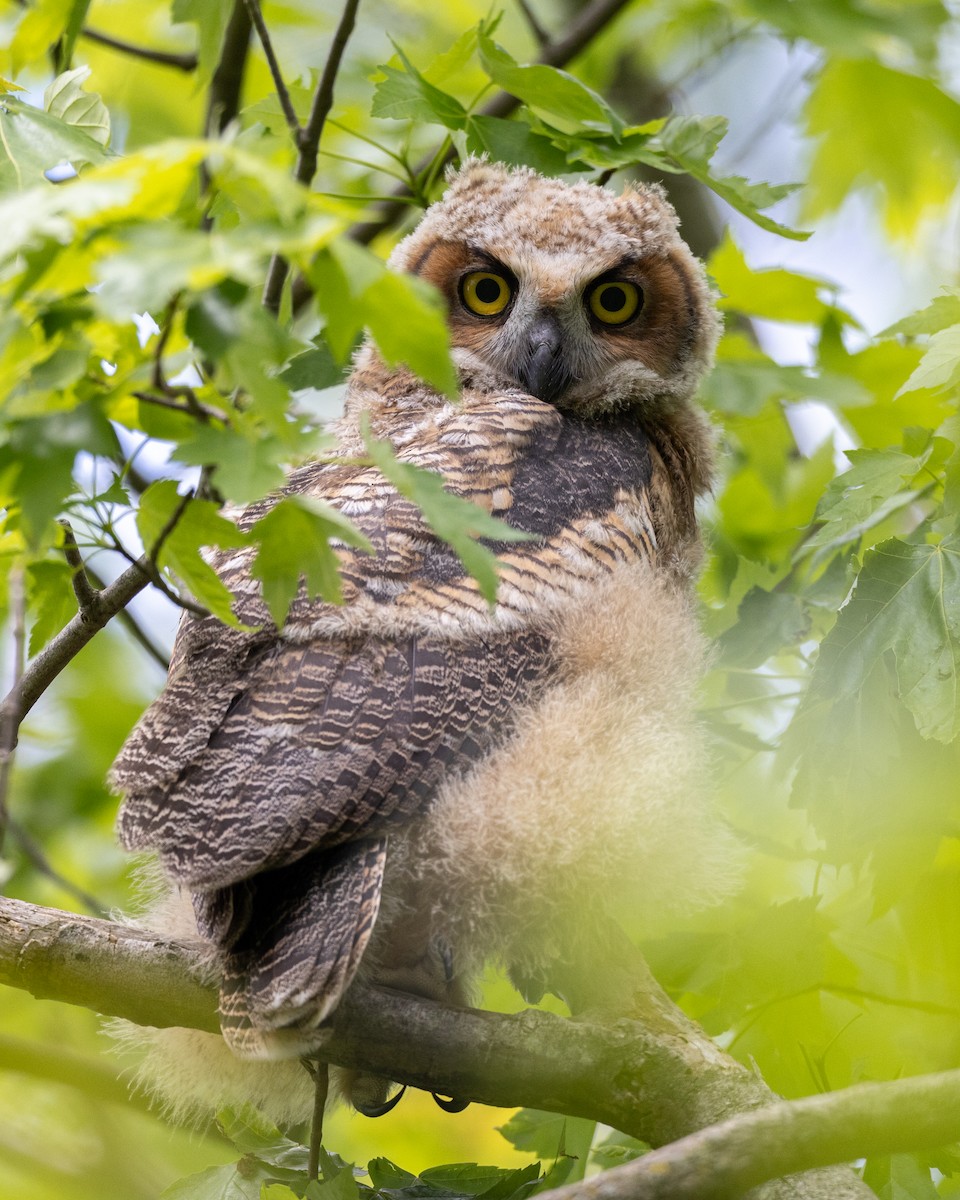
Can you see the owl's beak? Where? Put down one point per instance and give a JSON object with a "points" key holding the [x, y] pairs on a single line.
{"points": [[542, 370]]}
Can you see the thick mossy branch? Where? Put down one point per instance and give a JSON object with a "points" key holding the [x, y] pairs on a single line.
{"points": [[722, 1161], [659, 1078]]}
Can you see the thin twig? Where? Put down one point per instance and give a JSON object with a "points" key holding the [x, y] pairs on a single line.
{"points": [[158, 377], [133, 627], [169, 525], [154, 554], [433, 170], [156, 578], [758, 1011], [9, 722], [309, 142], [88, 598], [204, 412], [354, 198], [283, 95], [321, 1082], [362, 162], [163, 336], [189, 606], [139, 635], [39, 861], [362, 137], [538, 31], [129, 472], [163, 58]]}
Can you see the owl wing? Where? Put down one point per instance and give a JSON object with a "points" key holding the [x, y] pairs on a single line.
{"points": [[311, 745], [268, 772], [306, 928]]}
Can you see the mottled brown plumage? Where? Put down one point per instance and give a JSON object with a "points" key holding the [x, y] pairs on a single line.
{"points": [[288, 779]]}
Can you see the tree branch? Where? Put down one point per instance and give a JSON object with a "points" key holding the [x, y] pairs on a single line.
{"points": [[658, 1082], [9, 719], [38, 860], [205, 412], [83, 589], [726, 1159], [163, 58], [60, 1065], [42, 670], [308, 141], [223, 102], [538, 31], [283, 94], [133, 627]]}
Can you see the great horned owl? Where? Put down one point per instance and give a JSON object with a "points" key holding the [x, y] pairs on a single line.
{"points": [[415, 782]]}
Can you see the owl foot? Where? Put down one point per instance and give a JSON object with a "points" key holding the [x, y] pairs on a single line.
{"points": [[450, 1104], [445, 954], [379, 1110]]}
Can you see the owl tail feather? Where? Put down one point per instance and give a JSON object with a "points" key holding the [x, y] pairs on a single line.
{"points": [[285, 973]]}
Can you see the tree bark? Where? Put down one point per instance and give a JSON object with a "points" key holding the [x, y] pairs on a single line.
{"points": [[647, 1070]]}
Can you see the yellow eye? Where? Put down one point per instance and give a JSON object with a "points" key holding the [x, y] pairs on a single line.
{"points": [[485, 293], [615, 301]]}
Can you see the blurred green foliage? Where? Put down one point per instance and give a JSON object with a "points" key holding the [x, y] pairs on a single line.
{"points": [[832, 587]]}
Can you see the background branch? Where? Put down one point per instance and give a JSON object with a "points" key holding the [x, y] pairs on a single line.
{"points": [[658, 1081], [226, 86], [60, 1065], [163, 58], [32, 852], [223, 102], [283, 94], [538, 31], [308, 141]]}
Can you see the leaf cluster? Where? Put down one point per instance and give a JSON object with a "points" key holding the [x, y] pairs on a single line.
{"points": [[274, 1167]]}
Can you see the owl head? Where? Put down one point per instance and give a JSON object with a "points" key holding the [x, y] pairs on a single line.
{"points": [[587, 300]]}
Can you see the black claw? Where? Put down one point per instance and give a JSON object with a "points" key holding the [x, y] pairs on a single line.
{"points": [[446, 957], [531, 984], [381, 1110], [451, 1105]]}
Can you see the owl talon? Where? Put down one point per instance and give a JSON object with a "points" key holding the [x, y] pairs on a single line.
{"points": [[380, 1110], [451, 1104], [445, 953]]}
